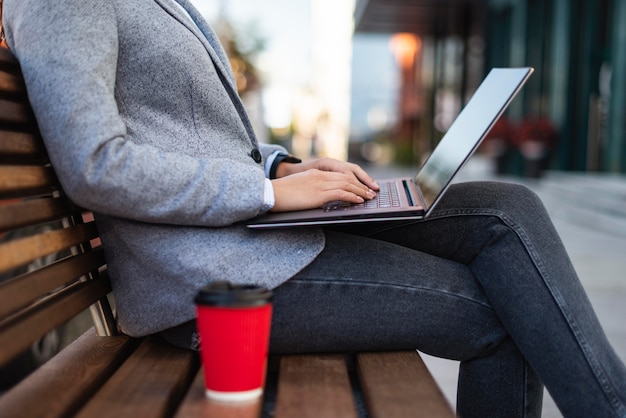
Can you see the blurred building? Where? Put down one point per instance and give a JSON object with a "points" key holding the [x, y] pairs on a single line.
{"points": [[572, 112]]}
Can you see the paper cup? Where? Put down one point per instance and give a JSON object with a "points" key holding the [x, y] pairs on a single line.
{"points": [[234, 327]]}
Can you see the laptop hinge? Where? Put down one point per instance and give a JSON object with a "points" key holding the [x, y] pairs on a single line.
{"points": [[409, 192]]}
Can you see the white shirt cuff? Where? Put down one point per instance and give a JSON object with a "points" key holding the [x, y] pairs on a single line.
{"points": [[270, 161], [268, 195]]}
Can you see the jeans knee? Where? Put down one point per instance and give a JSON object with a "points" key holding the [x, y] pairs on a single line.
{"points": [[512, 199]]}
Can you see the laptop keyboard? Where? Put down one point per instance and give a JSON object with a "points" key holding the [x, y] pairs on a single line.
{"points": [[387, 197]]}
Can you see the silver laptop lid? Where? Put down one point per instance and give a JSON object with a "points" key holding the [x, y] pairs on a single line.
{"points": [[485, 107]]}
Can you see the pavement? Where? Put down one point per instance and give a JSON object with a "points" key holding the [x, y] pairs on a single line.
{"points": [[589, 212]]}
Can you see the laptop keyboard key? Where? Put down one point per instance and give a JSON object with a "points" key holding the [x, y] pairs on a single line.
{"points": [[387, 197]]}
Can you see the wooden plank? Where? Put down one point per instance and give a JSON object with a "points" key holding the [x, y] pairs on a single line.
{"points": [[151, 383], [21, 148], [62, 385], [12, 84], [19, 332], [16, 181], [8, 62], [14, 142], [313, 386], [196, 404], [16, 113], [21, 291], [398, 384], [25, 250], [34, 211]]}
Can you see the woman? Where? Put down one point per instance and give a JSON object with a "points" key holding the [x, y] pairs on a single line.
{"points": [[138, 98]]}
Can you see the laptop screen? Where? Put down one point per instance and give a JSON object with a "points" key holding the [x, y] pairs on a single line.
{"points": [[474, 122]]}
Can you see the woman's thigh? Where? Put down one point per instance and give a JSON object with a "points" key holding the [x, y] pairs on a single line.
{"points": [[413, 284], [367, 294]]}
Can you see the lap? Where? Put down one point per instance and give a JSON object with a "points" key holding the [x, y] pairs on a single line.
{"points": [[462, 223], [390, 286], [367, 294], [402, 285]]}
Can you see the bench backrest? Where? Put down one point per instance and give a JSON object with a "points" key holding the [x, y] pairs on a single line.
{"points": [[51, 265]]}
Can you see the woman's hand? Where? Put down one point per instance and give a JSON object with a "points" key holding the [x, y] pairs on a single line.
{"points": [[312, 184], [327, 164]]}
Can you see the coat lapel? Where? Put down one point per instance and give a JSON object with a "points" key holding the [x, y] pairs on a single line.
{"points": [[204, 33], [209, 39]]}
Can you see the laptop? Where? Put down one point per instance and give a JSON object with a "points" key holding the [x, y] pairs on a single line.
{"points": [[415, 198]]}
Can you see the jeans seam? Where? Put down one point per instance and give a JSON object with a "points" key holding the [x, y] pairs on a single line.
{"points": [[556, 295], [526, 390], [393, 285]]}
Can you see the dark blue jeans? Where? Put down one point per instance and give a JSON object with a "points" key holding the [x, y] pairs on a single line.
{"points": [[485, 280]]}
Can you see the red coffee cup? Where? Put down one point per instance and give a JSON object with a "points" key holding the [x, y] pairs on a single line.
{"points": [[234, 328]]}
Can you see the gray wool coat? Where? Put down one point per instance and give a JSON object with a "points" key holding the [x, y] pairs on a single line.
{"points": [[142, 121]]}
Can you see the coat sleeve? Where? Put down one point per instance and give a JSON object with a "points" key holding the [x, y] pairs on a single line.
{"points": [[68, 53]]}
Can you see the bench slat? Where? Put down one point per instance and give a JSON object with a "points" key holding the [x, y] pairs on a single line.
{"points": [[149, 384], [60, 386], [197, 405], [398, 384], [313, 386], [8, 62], [33, 212], [16, 113], [22, 251], [18, 333], [24, 181], [26, 289], [11, 84], [18, 143]]}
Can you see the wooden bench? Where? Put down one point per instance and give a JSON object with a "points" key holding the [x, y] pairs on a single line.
{"points": [[105, 373]]}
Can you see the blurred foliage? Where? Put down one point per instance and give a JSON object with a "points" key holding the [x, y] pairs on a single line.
{"points": [[404, 154], [242, 47]]}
